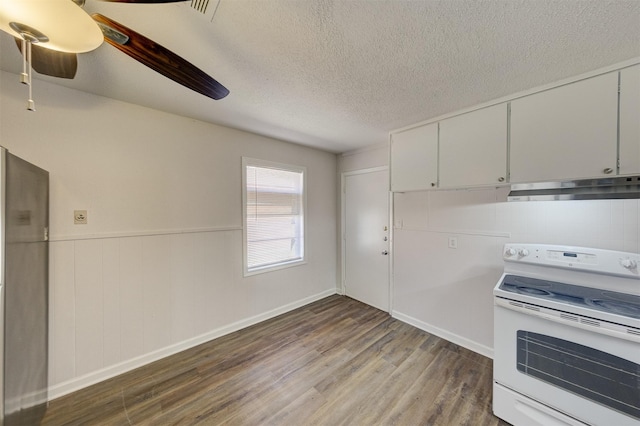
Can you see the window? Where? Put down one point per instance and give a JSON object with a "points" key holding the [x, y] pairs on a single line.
{"points": [[273, 209]]}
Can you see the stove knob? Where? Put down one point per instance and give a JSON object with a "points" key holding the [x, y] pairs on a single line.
{"points": [[523, 252], [510, 252], [629, 264]]}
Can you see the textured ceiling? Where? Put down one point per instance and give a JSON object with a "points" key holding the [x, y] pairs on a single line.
{"points": [[339, 75]]}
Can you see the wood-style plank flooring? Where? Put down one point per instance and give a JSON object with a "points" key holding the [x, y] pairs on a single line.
{"points": [[333, 362]]}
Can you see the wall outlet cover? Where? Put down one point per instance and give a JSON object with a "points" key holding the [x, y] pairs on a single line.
{"points": [[80, 217], [453, 242]]}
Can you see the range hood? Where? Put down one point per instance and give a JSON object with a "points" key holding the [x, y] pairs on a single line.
{"points": [[588, 189]]}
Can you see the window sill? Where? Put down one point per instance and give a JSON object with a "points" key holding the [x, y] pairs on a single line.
{"points": [[281, 266]]}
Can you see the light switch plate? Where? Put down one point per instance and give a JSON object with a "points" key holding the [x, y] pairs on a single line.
{"points": [[79, 217]]}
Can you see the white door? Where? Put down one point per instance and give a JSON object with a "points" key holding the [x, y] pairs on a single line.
{"points": [[366, 243]]}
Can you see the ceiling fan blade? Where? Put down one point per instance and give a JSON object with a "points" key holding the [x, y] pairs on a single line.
{"points": [[52, 62], [159, 58]]}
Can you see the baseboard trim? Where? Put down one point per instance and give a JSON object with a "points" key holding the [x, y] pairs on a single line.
{"points": [[97, 376], [452, 337]]}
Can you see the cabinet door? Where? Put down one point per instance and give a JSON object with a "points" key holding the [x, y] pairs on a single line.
{"points": [[630, 120], [566, 133], [473, 148], [414, 159]]}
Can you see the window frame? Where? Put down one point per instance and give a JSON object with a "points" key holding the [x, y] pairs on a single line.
{"points": [[254, 162]]}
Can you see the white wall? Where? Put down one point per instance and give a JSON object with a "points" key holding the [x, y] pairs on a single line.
{"points": [[449, 291], [158, 267], [364, 158]]}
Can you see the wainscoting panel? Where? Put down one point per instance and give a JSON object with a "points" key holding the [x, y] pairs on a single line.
{"points": [[88, 266], [117, 303], [62, 312]]}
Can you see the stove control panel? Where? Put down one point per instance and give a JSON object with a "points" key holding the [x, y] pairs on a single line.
{"points": [[576, 257], [601, 261]]}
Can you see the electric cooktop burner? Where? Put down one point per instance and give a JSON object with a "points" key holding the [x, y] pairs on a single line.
{"points": [[620, 308], [533, 291], [627, 305]]}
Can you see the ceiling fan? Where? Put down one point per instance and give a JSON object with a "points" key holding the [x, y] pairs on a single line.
{"points": [[50, 34]]}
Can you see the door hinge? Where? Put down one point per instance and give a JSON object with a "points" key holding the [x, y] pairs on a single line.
{"points": [[46, 233]]}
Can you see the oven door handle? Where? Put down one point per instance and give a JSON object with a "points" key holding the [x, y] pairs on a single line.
{"points": [[571, 320]]}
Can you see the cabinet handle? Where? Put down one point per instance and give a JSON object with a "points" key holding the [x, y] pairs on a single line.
{"points": [[433, 184], [500, 179], [608, 171]]}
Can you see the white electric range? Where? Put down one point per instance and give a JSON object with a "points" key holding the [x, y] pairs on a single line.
{"points": [[567, 337]]}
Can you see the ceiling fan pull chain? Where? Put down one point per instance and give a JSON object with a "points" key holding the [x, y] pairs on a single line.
{"points": [[25, 76], [31, 106]]}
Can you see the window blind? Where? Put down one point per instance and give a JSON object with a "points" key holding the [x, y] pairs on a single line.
{"points": [[274, 216]]}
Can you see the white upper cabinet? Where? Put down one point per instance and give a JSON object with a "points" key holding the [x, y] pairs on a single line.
{"points": [[414, 158], [473, 148], [569, 132], [630, 120]]}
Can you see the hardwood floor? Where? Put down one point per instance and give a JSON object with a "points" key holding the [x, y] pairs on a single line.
{"points": [[333, 362]]}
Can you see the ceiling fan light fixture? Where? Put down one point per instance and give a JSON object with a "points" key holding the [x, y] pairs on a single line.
{"points": [[67, 27], [28, 33]]}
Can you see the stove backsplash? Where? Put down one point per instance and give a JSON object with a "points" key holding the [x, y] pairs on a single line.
{"points": [[451, 289], [606, 224]]}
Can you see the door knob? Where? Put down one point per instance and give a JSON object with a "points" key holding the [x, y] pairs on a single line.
{"points": [[385, 252]]}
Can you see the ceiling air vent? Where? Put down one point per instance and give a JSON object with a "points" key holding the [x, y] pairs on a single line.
{"points": [[207, 7], [200, 5]]}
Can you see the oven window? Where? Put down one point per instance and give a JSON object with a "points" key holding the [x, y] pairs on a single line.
{"points": [[593, 374]]}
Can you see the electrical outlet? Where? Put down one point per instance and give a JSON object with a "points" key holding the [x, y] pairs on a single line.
{"points": [[453, 242], [79, 217]]}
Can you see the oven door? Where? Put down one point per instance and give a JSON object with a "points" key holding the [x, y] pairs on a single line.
{"points": [[586, 375]]}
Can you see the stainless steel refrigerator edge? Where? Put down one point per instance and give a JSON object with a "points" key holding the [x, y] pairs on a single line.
{"points": [[24, 258]]}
